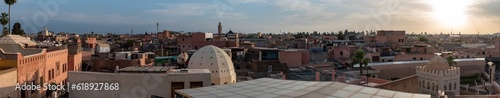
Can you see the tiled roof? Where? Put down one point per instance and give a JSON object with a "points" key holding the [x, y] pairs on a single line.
{"points": [[16, 39], [269, 88], [15, 48]]}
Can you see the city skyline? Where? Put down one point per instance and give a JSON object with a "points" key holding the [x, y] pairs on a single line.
{"points": [[251, 16]]}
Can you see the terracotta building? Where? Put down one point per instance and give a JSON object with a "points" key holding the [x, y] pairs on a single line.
{"points": [[34, 65], [396, 38], [294, 57], [91, 42], [198, 40]]}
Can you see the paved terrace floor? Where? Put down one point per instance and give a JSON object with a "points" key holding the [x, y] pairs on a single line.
{"points": [[276, 88]]}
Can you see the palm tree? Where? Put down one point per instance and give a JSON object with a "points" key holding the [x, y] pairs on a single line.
{"points": [[4, 19], [10, 2], [359, 58], [451, 61], [365, 62]]}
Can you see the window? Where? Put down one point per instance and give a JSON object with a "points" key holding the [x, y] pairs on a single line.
{"points": [[341, 53], [449, 85], [33, 90], [196, 84], [428, 85], [176, 86], [50, 74], [57, 68]]}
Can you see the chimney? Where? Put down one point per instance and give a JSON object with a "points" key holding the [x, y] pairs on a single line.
{"points": [[333, 75], [283, 76], [317, 76]]}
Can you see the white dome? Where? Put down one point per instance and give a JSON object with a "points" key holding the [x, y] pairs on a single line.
{"points": [[217, 61], [438, 62]]}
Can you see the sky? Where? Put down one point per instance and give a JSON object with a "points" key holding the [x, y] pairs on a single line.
{"points": [[251, 16]]}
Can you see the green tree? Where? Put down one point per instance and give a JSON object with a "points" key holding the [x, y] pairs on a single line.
{"points": [[340, 36], [315, 33], [423, 39], [451, 61], [10, 3], [17, 29], [4, 19], [359, 58]]}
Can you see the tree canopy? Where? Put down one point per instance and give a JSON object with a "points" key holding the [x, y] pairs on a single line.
{"points": [[423, 39], [17, 29]]}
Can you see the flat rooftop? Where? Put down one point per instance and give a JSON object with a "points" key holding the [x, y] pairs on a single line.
{"points": [[269, 88], [146, 69], [417, 61], [188, 71]]}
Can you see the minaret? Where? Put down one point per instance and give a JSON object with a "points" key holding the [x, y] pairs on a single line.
{"points": [[220, 30]]}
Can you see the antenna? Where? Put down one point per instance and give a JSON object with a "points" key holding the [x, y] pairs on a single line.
{"points": [[477, 31], [132, 31]]}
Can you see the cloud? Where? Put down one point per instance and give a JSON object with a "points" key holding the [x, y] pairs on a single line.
{"points": [[182, 9], [485, 8], [105, 19], [235, 16], [247, 1], [304, 10]]}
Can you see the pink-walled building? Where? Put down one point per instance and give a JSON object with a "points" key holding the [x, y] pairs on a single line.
{"points": [[91, 42], [396, 38], [294, 57], [34, 65], [164, 35], [198, 40]]}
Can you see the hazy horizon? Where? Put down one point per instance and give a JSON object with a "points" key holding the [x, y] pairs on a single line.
{"points": [[251, 16]]}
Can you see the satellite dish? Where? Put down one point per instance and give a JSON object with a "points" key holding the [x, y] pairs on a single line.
{"points": [[182, 58]]}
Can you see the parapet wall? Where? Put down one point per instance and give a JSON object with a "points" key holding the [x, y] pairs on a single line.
{"points": [[436, 72]]}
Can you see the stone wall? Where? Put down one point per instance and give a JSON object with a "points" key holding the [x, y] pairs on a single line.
{"points": [[8, 82], [134, 85], [407, 84], [110, 65]]}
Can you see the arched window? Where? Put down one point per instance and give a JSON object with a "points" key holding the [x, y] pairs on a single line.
{"points": [[341, 53], [433, 87], [445, 87], [449, 85], [428, 85], [419, 83], [454, 85]]}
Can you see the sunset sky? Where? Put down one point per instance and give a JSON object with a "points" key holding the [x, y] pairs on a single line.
{"points": [[250, 16]]}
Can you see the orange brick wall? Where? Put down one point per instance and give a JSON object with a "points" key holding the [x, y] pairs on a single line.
{"points": [[291, 58], [75, 62]]}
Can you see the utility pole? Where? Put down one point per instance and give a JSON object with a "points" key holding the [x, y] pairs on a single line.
{"points": [[162, 50]]}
